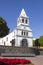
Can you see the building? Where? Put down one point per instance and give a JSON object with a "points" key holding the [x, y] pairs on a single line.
{"points": [[22, 35]]}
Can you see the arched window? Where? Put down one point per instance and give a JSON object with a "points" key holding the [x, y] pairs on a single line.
{"points": [[26, 21], [22, 32], [22, 20], [27, 33], [7, 39]]}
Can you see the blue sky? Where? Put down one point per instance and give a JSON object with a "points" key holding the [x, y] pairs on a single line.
{"points": [[10, 10]]}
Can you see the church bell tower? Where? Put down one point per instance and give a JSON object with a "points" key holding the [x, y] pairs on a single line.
{"points": [[24, 32], [23, 18]]}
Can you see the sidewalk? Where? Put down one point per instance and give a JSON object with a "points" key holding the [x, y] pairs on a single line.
{"points": [[38, 60]]}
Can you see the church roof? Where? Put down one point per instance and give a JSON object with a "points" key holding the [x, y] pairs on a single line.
{"points": [[23, 14]]}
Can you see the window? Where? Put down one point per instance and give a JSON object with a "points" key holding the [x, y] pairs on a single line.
{"points": [[27, 33], [7, 39], [22, 32], [22, 20], [26, 21]]}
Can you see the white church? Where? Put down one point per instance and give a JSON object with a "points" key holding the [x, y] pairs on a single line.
{"points": [[22, 35]]}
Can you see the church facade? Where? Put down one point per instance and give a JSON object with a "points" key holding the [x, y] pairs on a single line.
{"points": [[22, 35]]}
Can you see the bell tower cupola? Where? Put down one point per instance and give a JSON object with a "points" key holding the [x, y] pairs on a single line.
{"points": [[23, 18]]}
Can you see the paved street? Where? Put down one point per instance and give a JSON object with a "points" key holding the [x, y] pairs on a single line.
{"points": [[38, 60]]}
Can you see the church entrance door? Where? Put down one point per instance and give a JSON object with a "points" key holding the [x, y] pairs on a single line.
{"points": [[24, 43]]}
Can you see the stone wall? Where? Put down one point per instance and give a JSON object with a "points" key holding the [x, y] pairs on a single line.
{"points": [[19, 50]]}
